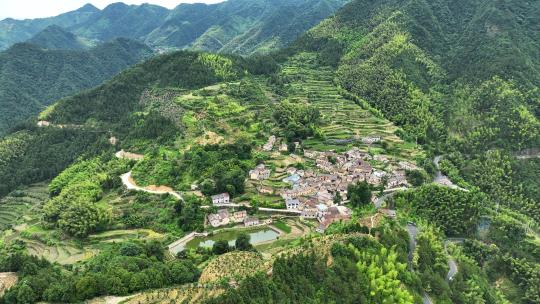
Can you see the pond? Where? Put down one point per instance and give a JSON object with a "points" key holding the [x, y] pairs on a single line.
{"points": [[257, 236]]}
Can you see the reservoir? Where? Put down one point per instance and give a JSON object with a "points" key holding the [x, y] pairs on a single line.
{"points": [[257, 236]]}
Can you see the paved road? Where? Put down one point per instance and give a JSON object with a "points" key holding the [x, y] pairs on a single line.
{"points": [[528, 153], [451, 262], [379, 202], [426, 299], [442, 179], [412, 230]]}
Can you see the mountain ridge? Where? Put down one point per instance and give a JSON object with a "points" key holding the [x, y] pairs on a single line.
{"points": [[185, 26]]}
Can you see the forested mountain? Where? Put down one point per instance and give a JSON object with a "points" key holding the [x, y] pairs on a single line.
{"points": [[235, 26], [464, 71], [56, 38], [32, 77], [241, 26], [13, 31], [461, 76], [121, 20]]}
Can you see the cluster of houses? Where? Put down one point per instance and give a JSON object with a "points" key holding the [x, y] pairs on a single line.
{"points": [[224, 217], [259, 173], [336, 172], [317, 194], [325, 213]]}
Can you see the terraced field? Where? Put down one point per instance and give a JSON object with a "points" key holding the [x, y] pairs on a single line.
{"points": [[61, 253], [123, 235], [15, 207], [343, 121]]}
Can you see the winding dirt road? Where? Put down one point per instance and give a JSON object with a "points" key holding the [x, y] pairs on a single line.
{"points": [[129, 183]]}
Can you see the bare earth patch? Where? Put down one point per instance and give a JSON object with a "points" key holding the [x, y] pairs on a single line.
{"points": [[209, 138], [7, 279]]}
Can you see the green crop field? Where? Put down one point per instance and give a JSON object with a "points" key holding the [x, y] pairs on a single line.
{"points": [[15, 206]]}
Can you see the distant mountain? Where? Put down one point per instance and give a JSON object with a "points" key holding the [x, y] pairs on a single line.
{"points": [[121, 20], [233, 26], [13, 31], [242, 26], [54, 37], [32, 77]]}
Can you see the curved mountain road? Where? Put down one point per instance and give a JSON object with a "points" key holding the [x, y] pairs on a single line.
{"points": [[442, 179], [451, 262], [128, 182], [413, 231]]}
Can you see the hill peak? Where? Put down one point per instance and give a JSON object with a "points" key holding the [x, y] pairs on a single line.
{"points": [[88, 8], [55, 37]]}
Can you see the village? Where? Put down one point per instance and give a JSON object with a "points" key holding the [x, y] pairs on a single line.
{"points": [[318, 193]]}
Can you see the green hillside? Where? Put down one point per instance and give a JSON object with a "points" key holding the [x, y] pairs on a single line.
{"points": [[236, 26], [241, 26], [33, 77], [197, 117], [389, 155], [121, 20], [55, 38], [13, 31]]}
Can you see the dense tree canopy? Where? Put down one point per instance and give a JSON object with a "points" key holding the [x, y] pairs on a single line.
{"points": [[456, 211]]}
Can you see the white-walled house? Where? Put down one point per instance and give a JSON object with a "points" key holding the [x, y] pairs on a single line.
{"points": [[220, 199]]}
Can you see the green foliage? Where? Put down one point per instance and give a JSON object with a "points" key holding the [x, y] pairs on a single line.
{"points": [[282, 226], [416, 177], [74, 209], [242, 242], [297, 120], [191, 217], [218, 168], [360, 194], [159, 213], [499, 116], [35, 155], [382, 271], [361, 272], [526, 172], [492, 172], [220, 247], [119, 270], [78, 173], [456, 211], [113, 101], [429, 255], [54, 37], [32, 78], [259, 27]]}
